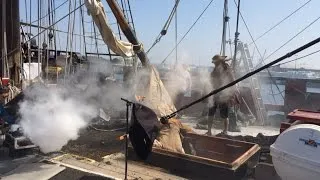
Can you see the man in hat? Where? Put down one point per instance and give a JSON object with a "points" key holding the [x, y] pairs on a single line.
{"points": [[220, 76]]}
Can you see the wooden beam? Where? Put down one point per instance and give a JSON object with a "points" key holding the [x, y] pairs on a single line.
{"points": [[128, 32], [11, 25]]}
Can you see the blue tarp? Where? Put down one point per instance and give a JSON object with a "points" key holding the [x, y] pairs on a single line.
{"points": [[5, 116]]}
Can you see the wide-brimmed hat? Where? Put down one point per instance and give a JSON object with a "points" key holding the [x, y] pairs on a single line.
{"points": [[217, 58]]}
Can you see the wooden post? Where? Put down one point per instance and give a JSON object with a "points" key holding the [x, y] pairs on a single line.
{"points": [[12, 37], [3, 44], [128, 32]]}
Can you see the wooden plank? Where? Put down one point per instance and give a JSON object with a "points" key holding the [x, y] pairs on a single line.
{"points": [[190, 169], [117, 160], [192, 158], [305, 116], [214, 151], [113, 167], [225, 149], [220, 140], [32, 171], [69, 161], [246, 156]]}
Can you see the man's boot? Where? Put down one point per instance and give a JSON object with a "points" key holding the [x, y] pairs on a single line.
{"points": [[233, 127], [210, 121], [226, 126]]}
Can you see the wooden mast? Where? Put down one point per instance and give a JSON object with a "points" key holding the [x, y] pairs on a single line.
{"points": [[128, 32], [10, 39]]}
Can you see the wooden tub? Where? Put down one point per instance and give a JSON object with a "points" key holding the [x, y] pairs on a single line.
{"points": [[216, 158]]}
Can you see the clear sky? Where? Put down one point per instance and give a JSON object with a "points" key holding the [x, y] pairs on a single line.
{"points": [[204, 39]]}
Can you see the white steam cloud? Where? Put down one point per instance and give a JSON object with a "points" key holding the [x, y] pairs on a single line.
{"points": [[50, 117], [177, 80]]}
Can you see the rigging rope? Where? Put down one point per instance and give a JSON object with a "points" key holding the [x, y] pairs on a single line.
{"points": [[205, 9], [29, 44], [290, 40], [71, 44], [68, 41], [243, 20], [225, 20], [298, 58], [96, 41], [39, 40], [236, 35], [123, 10], [176, 34], [134, 29], [229, 41], [46, 28], [53, 4], [107, 130], [46, 41], [83, 32], [164, 119], [165, 27], [50, 12], [279, 22]]}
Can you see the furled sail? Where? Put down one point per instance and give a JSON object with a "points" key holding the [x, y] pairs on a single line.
{"points": [[155, 95], [96, 10]]}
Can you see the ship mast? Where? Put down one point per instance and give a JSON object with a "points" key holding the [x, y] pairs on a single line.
{"points": [[224, 30], [10, 39]]}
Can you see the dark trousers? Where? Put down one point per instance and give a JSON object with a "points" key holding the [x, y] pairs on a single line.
{"points": [[224, 113], [179, 101]]}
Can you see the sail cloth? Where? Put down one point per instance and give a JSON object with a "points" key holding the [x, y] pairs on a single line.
{"points": [[171, 136], [151, 92], [155, 94], [96, 10]]}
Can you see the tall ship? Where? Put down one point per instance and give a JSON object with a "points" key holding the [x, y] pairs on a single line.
{"points": [[82, 97]]}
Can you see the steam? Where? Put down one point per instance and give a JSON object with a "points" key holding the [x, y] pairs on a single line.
{"points": [[178, 80], [204, 84], [51, 117]]}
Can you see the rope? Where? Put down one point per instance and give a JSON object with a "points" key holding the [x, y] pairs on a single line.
{"points": [[290, 39], [55, 36], [83, 32], [225, 20], [50, 12], [229, 32], [176, 33], [236, 35], [205, 9], [134, 29], [165, 27], [71, 42], [273, 94], [140, 46], [243, 20], [107, 130], [95, 38], [165, 118], [46, 28], [276, 93], [279, 23], [298, 58], [68, 41]]}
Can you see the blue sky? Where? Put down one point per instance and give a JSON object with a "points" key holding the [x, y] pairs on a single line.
{"points": [[205, 38]]}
